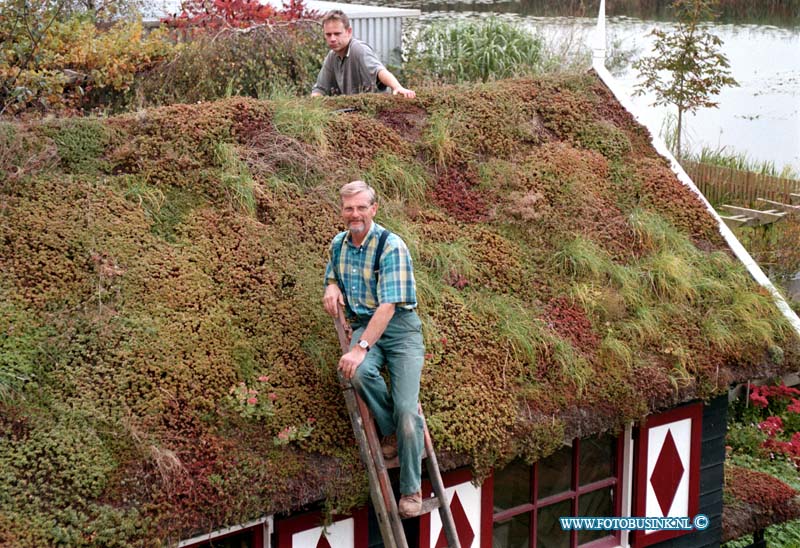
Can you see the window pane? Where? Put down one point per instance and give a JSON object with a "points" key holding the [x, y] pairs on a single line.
{"points": [[512, 533], [555, 473], [598, 459], [597, 503], [240, 540], [548, 528], [512, 486]]}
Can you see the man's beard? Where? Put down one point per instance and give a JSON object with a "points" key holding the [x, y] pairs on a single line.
{"points": [[358, 229]]}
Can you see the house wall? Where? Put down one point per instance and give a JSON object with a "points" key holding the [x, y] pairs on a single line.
{"points": [[475, 503], [712, 458]]}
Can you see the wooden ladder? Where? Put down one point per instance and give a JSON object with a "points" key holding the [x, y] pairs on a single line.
{"points": [[380, 488]]}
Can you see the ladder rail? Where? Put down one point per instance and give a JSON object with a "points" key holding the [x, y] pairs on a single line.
{"points": [[376, 487], [381, 491], [435, 477]]}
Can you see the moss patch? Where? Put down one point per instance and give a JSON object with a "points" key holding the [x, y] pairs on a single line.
{"points": [[568, 283]]}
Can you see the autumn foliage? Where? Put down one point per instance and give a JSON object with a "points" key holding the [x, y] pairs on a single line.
{"points": [[240, 14]]}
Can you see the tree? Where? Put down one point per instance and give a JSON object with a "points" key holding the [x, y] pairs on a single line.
{"points": [[236, 14], [687, 68]]}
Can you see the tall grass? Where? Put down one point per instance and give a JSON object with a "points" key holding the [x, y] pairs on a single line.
{"points": [[474, 51], [670, 280], [302, 120], [726, 157], [395, 179], [581, 258], [149, 197], [721, 155], [236, 179], [439, 141]]}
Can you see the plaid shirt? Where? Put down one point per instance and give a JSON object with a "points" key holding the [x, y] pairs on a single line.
{"points": [[355, 276]]}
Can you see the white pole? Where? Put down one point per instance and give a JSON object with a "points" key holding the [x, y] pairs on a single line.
{"points": [[599, 38]]}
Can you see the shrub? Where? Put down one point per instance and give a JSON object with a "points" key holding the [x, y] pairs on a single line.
{"points": [[236, 13], [75, 64], [259, 63], [469, 51]]}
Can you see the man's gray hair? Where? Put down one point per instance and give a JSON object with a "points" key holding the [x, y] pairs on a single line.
{"points": [[357, 187], [336, 15]]}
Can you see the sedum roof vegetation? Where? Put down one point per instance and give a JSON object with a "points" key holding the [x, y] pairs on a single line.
{"points": [[167, 367]]}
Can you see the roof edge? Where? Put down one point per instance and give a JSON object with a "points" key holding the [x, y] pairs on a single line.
{"points": [[598, 65]]}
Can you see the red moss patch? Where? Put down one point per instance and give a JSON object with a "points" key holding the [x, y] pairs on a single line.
{"points": [[455, 192], [760, 500], [571, 323]]}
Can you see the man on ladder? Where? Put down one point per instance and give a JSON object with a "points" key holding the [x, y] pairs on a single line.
{"points": [[370, 274]]}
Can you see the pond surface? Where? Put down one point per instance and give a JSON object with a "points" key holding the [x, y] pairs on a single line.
{"points": [[760, 118]]}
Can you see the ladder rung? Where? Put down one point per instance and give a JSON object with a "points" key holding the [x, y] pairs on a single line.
{"points": [[429, 505]]}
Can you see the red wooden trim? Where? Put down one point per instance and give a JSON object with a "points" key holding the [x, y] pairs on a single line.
{"points": [[553, 499], [605, 542], [599, 484], [566, 495], [576, 454], [487, 511], [462, 475], [489, 518], [695, 413], [571, 494], [511, 512], [534, 498], [450, 479], [287, 527]]}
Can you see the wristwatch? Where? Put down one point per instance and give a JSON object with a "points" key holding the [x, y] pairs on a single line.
{"points": [[363, 344]]}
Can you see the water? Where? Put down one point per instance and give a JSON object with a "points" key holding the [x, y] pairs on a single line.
{"points": [[760, 118]]}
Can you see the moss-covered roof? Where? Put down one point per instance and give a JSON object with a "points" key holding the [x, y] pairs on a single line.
{"points": [[167, 367]]}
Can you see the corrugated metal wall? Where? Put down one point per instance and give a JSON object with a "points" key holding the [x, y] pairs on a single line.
{"points": [[384, 34]]}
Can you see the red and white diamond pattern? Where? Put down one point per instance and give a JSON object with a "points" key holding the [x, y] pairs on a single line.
{"points": [[669, 450], [341, 534], [465, 504]]}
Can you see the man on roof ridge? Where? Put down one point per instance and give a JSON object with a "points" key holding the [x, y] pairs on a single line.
{"points": [[378, 292], [351, 65]]}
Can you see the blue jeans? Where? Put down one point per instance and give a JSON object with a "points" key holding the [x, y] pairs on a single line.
{"points": [[401, 349]]}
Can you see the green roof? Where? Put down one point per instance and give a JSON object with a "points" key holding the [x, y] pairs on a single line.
{"points": [[162, 268]]}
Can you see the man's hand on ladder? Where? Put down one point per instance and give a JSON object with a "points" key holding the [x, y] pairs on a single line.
{"points": [[332, 300]]}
